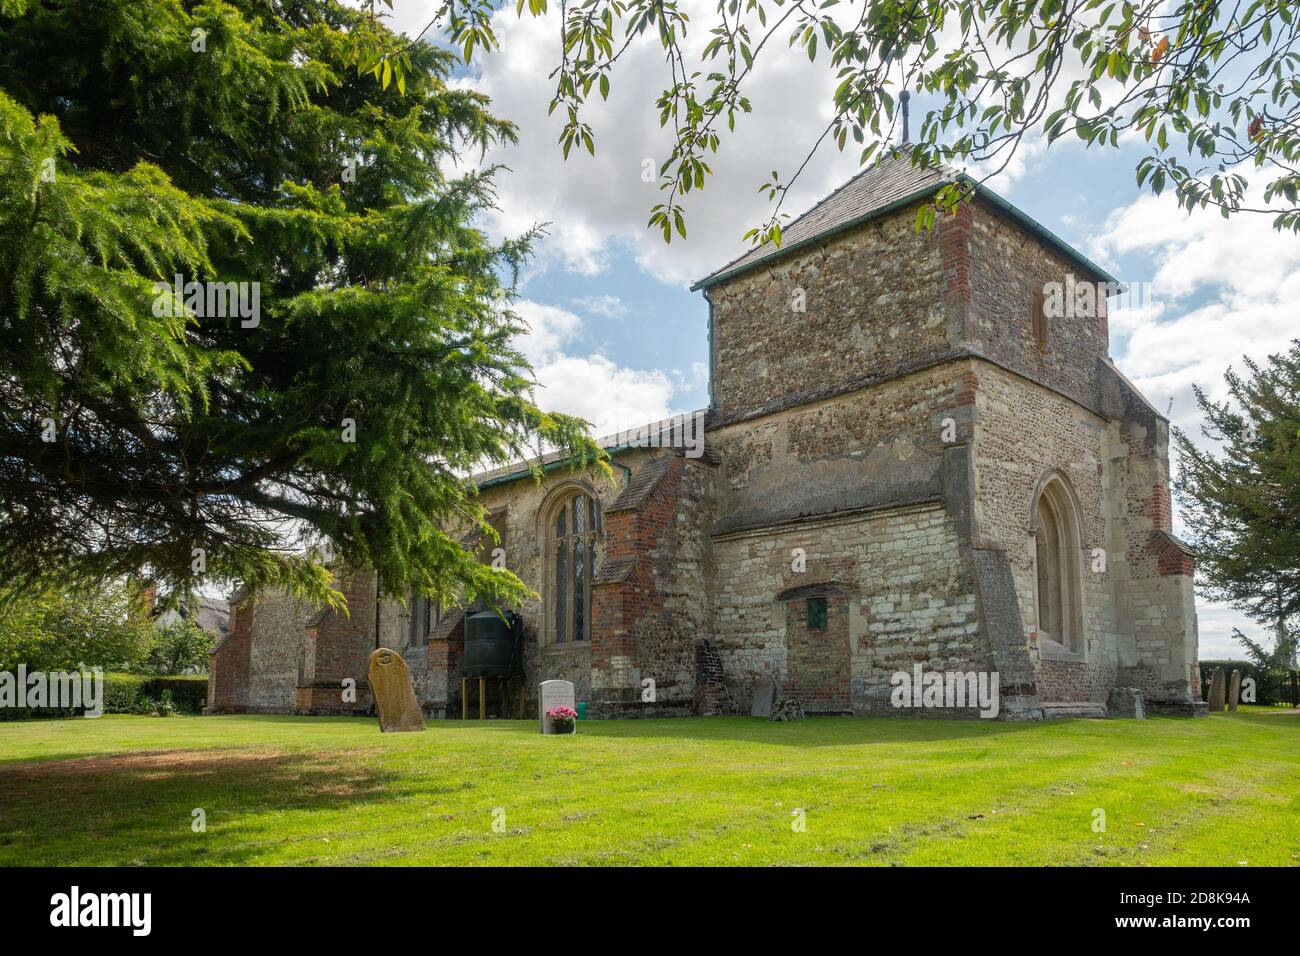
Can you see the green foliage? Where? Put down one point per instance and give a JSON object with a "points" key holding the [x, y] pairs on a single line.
{"points": [[188, 692], [1271, 682], [158, 696], [67, 629], [122, 693], [132, 694], [64, 630], [179, 647], [1211, 88], [1281, 657], [163, 706], [1240, 498], [232, 141]]}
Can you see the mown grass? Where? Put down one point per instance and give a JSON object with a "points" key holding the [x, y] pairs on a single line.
{"points": [[1219, 791]]}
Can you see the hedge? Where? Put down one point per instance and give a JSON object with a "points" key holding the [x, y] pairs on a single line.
{"points": [[124, 694], [1270, 685]]}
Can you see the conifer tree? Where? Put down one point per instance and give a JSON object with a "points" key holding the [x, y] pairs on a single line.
{"points": [[1240, 497], [243, 306]]}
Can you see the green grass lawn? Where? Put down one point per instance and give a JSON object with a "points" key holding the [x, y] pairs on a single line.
{"points": [[1219, 791]]}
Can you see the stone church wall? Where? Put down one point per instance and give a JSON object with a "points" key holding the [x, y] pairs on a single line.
{"points": [[654, 600], [910, 602], [1159, 651], [1007, 267], [275, 647], [863, 305], [857, 482], [1072, 442], [670, 610], [866, 449]]}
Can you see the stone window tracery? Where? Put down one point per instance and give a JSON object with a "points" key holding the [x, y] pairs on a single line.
{"points": [[575, 531]]}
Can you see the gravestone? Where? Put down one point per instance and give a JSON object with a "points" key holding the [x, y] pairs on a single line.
{"points": [[552, 693], [1126, 702], [1217, 691], [390, 683], [765, 694], [1234, 690]]}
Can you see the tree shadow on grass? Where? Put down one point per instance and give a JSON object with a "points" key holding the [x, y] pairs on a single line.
{"points": [[138, 808]]}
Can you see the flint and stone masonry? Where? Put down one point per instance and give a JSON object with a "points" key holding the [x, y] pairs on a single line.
{"points": [[906, 462]]}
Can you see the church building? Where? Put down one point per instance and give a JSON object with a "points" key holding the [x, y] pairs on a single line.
{"points": [[918, 457]]}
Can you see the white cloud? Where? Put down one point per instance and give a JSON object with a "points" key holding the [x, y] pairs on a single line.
{"points": [[598, 206], [607, 306], [1219, 289], [1215, 623], [593, 387]]}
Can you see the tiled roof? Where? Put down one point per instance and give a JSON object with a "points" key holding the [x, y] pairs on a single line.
{"points": [[519, 469], [615, 570], [873, 189], [641, 486], [451, 617]]}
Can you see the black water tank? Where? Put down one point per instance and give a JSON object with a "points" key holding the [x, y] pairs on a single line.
{"points": [[489, 646]]}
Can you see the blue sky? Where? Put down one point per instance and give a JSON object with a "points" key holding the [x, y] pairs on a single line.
{"points": [[618, 338]]}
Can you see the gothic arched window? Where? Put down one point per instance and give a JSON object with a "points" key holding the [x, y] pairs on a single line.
{"points": [[1059, 606], [575, 535], [425, 615]]}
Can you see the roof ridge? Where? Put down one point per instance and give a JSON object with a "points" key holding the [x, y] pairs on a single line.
{"points": [[884, 166]]}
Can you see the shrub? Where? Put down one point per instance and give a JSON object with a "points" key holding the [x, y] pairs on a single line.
{"points": [[189, 691], [122, 692], [180, 647], [128, 693], [65, 628]]}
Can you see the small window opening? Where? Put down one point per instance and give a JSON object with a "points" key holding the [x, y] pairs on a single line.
{"points": [[817, 614]]}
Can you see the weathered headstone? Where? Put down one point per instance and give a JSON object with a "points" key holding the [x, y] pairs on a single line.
{"points": [[1217, 691], [1234, 690], [765, 694], [552, 693], [1126, 702], [390, 683]]}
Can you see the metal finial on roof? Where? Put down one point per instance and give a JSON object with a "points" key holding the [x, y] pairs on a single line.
{"points": [[904, 98]]}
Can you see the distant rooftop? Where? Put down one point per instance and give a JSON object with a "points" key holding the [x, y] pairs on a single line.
{"points": [[877, 190]]}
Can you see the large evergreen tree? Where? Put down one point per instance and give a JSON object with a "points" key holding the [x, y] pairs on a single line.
{"points": [[1240, 497], [231, 141]]}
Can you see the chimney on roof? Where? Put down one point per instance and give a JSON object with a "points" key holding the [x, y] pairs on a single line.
{"points": [[903, 100]]}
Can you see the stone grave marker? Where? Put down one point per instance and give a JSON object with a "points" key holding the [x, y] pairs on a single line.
{"points": [[552, 693], [390, 683], [1217, 691], [1126, 702], [765, 694], [1234, 690]]}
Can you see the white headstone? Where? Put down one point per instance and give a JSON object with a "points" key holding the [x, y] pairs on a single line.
{"points": [[765, 695], [552, 693]]}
